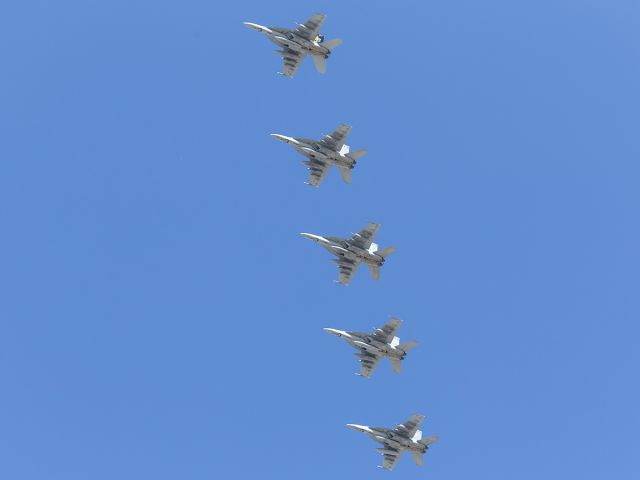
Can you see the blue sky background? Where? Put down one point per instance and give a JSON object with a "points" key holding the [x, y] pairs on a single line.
{"points": [[162, 318]]}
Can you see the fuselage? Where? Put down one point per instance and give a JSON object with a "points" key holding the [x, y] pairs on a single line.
{"points": [[364, 341], [290, 39], [342, 247], [315, 150], [286, 38], [389, 438]]}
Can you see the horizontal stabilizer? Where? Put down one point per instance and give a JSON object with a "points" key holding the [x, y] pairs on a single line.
{"points": [[385, 252], [428, 441], [345, 172], [405, 347], [319, 62], [331, 44], [417, 458], [396, 363], [374, 270], [356, 154]]}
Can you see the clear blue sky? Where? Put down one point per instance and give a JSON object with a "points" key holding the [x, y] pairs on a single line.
{"points": [[162, 318]]}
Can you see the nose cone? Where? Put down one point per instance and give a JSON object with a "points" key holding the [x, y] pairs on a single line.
{"points": [[358, 428], [311, 236], [284, 138], [255, 26], [333, 331]]}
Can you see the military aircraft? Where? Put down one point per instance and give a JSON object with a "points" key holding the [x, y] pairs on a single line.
{"points": [[351, 252], [381, 343], [395, 441], [304, 40], [321, 154]]}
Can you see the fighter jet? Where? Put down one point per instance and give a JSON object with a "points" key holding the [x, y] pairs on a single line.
{"points": [[353, 251], [321, 154], [381, 343], [395, 441], [296, 44]]}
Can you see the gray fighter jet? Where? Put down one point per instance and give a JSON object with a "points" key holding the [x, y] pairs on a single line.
{"points": [[321, 154], [351, 252], [381, 343], [304, 40], [395, 441]]}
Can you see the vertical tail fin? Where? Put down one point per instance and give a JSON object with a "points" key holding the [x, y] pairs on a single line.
{"points": [[345, 149]]}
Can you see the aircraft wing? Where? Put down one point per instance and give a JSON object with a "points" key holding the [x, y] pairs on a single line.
{"points": [[365, 237], [292, 61], [347, 269], [385, 334], [410, 427], [368, 363], [311, 28], [336, 140], [391, 456], [317, 171]]}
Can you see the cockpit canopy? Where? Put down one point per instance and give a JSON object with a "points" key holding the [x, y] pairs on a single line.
{"points": [[319, 38]]}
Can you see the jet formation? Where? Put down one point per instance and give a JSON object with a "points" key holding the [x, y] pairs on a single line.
{"points": [[322, 154], [374, 346], [351, 252], [296, 44], [395, 441]]}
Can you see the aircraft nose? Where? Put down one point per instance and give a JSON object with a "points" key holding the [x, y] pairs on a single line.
{"points": [[333, 331], [253, 26], [311, 236], [359, 428], [282, 138]]}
